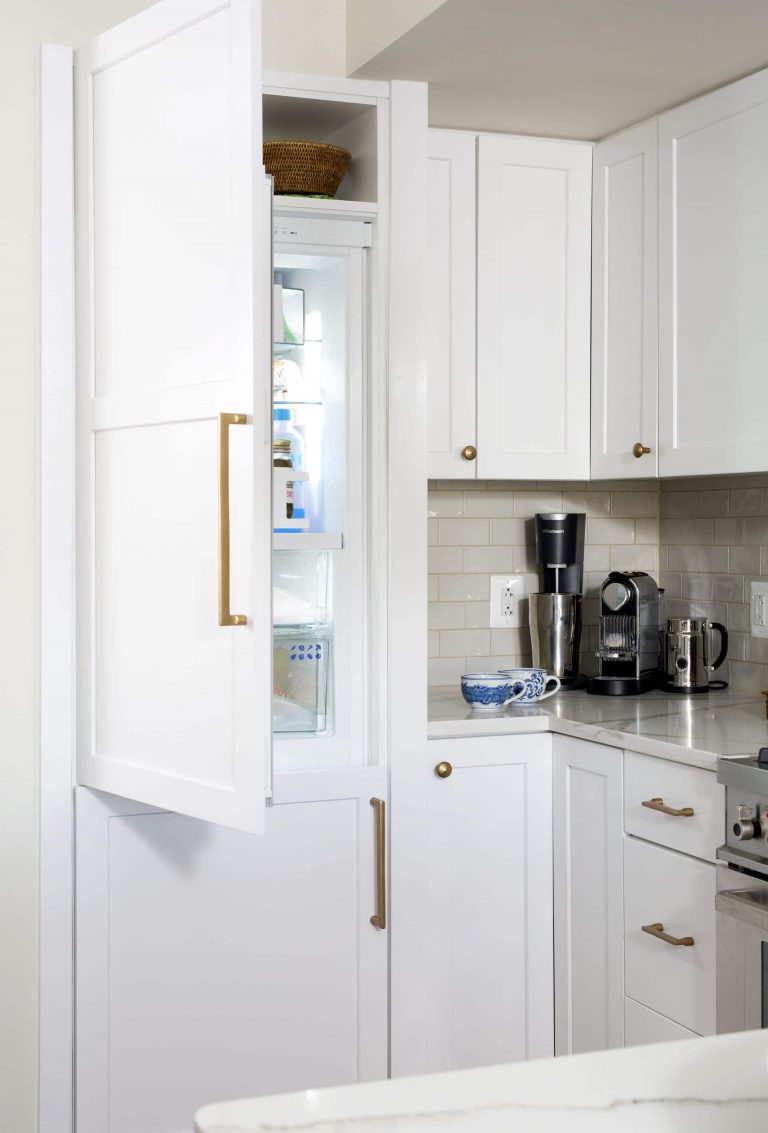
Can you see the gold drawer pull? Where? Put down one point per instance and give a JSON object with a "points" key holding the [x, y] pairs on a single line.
{"points": [[659, 804], [639, 450], [226, 617], [469, 452], [657, 930], [444, 769], [379, 918]]}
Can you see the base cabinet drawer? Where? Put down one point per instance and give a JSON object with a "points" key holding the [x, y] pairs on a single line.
{"points": [[643, 1026], [671, 894], [651, 784]]}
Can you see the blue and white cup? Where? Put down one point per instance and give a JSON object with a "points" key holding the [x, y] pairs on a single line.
{"points": [[535, 683], [487, 692]]}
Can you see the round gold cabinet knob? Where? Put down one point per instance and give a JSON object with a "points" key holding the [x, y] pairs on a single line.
{"points": [[469, 452], [443, 770], [639, 450]]}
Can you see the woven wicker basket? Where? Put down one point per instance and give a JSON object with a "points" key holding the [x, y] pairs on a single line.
{"points": [[306, 169]]}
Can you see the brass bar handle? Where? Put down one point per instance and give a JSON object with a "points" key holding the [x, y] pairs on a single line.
{"points": [[661, 806], [657, 930], [379, 918], [639, 450], [225, 617]]}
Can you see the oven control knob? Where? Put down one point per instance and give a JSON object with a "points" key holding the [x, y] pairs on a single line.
{"points": [[746, 827]]}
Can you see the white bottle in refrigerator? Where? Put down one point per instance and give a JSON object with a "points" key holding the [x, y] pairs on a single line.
{"points": [[283, 430]]}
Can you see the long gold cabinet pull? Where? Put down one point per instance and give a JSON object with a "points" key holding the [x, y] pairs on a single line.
{"points": [[379, 918], [662, 808], [657, 930], [226, 618]]}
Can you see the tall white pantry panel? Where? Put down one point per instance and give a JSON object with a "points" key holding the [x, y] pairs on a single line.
{"points": [[174, 460], [229, 585]]}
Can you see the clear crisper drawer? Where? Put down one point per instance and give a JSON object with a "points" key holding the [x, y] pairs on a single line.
{"points": [[301, 679], [300, 588]]}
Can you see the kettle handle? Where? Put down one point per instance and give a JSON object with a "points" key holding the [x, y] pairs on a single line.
{"points": [[723, 644]]}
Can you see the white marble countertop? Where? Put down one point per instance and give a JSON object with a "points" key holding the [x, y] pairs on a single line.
{"points": [[687, 729], [712, 1085]]}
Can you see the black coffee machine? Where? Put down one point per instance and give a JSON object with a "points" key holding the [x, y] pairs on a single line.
{"points": [[630, 621], [555, 612]]}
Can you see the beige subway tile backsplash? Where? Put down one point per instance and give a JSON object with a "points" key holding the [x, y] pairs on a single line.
{"points": [[702, 538], [491, 527]]}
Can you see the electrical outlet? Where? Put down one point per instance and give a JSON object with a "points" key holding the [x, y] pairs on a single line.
{"points": [[758, 609], [506, 596]]}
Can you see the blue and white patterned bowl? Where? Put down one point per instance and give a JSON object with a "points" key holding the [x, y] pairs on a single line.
{"points": [[535, 683], [487, 692]]}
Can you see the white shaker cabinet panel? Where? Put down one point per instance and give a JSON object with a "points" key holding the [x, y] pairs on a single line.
{"points": [[673, 894], [587, 821], [450, 304], [625, 305], [533, 299], [212, 964], [174, 545], [491, 886], [713, 262]]}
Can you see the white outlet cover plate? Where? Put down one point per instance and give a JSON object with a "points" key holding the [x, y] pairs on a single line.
{"points": [[507, 593], [758, 609]]}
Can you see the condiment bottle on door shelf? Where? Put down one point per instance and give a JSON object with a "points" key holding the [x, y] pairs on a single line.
{"points": [[283, 430]]}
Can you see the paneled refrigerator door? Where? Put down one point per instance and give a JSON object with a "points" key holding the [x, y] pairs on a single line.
{"points": [[320, 512], [173, 413]]}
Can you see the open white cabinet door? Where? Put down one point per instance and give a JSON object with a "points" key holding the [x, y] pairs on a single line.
{"points": [[174, 421]]}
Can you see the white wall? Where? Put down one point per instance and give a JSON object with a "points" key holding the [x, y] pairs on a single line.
{"points": [[302, 34], [372, 25], [305, 35]]}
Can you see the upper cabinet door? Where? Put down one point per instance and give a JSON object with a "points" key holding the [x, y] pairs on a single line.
{"points": [[450, 305], [625, 305], [174, 446], [533, 299], [713, 261]]}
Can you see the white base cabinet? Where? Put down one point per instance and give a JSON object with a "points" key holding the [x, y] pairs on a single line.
{"points": [[213, 964], [491, 891], [587, 827]]}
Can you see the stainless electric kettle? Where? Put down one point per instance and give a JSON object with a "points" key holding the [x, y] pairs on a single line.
{"points": [[686, 653]]}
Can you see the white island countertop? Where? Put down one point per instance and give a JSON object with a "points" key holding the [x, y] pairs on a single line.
{"points": [[712, 1085], [686, 729]]}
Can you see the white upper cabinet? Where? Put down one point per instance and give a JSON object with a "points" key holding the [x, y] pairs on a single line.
{"points": [[174, 421], [713, 258], [533, 308], [625, 305], [451, 268]]}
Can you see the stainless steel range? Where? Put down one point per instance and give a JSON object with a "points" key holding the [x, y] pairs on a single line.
{"points": [[741, 902]]}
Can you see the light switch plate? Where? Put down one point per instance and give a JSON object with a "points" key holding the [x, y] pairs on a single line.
{"points": [[758, 609], [507, 591]]}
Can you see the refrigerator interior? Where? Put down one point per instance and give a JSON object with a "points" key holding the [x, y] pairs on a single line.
{"points": [[318, 594]]}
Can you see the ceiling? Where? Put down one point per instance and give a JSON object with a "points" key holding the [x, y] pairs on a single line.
{"points": [[573, 68]]}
